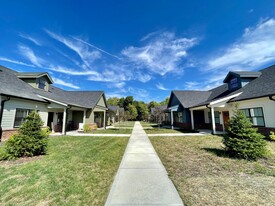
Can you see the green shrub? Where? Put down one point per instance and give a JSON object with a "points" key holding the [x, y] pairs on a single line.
{"points": [[30, 140], [242, 140], [87, 128], [272, 136]]}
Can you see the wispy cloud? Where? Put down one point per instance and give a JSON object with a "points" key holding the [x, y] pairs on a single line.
{"points": [[161, 87], [93, 46], [83, 51], [30, 55], [162, 52], [69, 71], [255, 48], [32, 39], [66, 84], [15, 62]]}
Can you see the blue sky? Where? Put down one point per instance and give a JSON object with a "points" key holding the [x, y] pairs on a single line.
{"points": [[140, 48]]}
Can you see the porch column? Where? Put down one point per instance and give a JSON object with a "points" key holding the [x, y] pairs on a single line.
{"points": [[64, 121], [213, 120], [192, 119], [104, 120], [172, 119], [84, 116]]}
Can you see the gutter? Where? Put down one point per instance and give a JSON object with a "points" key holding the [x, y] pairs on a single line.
{"points": [[1, 114], [270, 97]]}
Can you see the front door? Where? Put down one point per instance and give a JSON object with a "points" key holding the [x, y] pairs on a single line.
{"points": [[225, 116]]}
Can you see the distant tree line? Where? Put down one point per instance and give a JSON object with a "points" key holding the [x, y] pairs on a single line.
{"points": [[135, 110]]}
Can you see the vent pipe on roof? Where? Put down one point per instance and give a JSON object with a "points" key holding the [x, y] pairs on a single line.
{"points": [[271, 98], [1, 115]]}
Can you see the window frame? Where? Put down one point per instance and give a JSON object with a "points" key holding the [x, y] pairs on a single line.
{"points": [[251, 117], [215, 116], [23, 118], [41, 82]]}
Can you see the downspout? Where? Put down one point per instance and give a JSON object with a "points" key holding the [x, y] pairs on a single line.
{"points": [[1, 115]]}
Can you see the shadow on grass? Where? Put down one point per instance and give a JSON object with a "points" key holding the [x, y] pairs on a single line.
{"points": [[217, 152]]}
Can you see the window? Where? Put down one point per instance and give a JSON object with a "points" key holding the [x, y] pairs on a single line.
{"points": [[255, 115], [178, 116], [234, 83], [41, 83], [217, 117], [20, 116]]}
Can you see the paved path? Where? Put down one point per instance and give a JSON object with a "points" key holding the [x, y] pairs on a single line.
{"points": [[141, 178]]}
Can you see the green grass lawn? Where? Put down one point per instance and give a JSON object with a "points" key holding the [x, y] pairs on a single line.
{"points": [[112, 131], [204, 175], [156, 130], [76, 171], [125, 124], [148, 124]]}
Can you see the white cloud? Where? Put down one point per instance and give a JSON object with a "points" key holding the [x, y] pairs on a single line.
{"points": [[162, 53], [69, 71], [93, 46], [35, 41], [80, 48], [255, 48], [66, 84], [15, 62], [161, 87], [29, 54]]}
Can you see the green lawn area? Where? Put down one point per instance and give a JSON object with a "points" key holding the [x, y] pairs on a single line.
{"points": [[148, 124], [204, 175], [125, 124], [156, 130], [112, 131], [76, 171]]}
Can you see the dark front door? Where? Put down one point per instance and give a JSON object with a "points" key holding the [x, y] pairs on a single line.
{"points": [[225, 116], [50, 119]]}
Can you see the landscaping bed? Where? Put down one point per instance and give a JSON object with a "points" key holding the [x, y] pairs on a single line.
{"points": [[204, 174], [76, 171]]}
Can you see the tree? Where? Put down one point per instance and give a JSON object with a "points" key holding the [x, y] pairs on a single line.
{"points": [[121, 102], [152, 104], [113, 101], [165, 102], [30, 140], [142, 110], [157, 115], [133, 113], [128, 101], [242, 140]]}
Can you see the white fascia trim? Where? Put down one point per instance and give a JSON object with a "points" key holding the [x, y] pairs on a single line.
{"points": [[224, 99], [54, 101], [173, 108]]}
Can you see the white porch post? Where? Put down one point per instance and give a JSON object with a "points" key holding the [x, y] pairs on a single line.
{"points": [[84, 116], [172, 119], [213, 120], [64, 121], [104, 120], [192, 119]]}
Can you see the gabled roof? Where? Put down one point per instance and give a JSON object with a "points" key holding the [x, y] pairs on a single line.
{"points": [[243, 74], [25, 75], [262, 86], [190, 98], [11, 85], [161, 107], [86, 99], [113, 108]]}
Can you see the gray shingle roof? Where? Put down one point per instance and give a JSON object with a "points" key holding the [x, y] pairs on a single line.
{"points": [[191, 98], [10, 84], [113, 108]]}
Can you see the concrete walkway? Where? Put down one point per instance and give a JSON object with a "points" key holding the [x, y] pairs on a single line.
{"points": [[141, 178]]}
